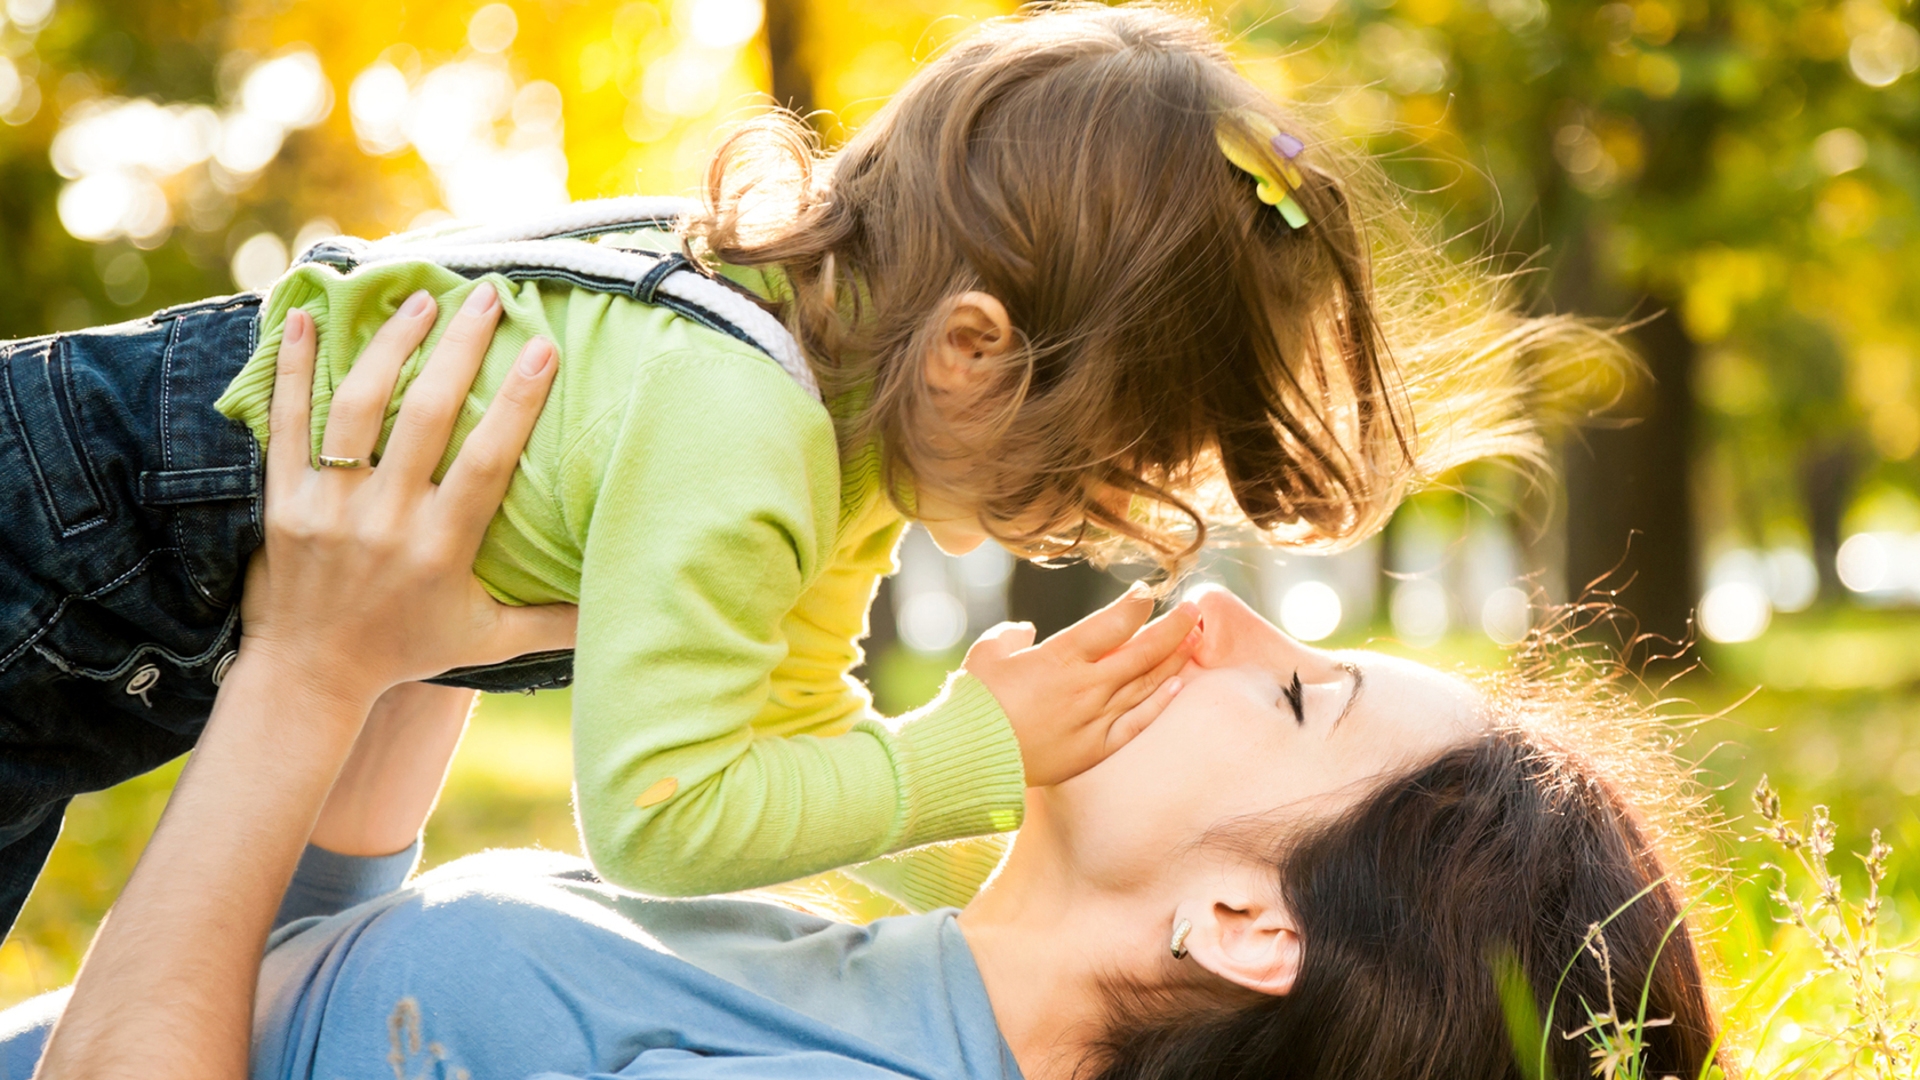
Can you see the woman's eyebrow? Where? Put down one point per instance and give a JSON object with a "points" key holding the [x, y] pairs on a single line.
{"points": [[1359, 679]]}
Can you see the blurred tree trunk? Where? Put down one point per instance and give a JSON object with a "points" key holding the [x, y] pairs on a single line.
{"points": [[1054, 598], [1629, 514], [1826, 483], [786, 31]]}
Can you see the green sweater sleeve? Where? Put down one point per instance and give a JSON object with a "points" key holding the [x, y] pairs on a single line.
{"points": [[936, 876], [717, 510]]}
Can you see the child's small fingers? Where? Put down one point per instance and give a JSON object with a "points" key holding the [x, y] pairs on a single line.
{"points": [[1167, 636], [1002, 639], [1141, 687], [289, 439], [1107, 629], [1137, 719]]}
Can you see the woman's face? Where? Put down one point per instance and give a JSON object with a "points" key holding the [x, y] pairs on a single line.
{"points": [[1265, 727]]}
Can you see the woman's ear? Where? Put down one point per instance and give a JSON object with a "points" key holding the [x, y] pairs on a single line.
{"points": [[974, 333], [1248, 942]]}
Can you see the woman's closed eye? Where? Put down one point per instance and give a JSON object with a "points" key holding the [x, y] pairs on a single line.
{"points": [[1294, 694]]}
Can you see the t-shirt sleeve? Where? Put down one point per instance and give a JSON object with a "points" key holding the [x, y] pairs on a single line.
{"points": [[327, 882], [717, 509]]}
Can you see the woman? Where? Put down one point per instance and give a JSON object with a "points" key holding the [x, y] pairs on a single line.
{"points": [[1311, 865]]}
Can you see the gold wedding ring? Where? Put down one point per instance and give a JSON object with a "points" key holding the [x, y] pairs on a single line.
{"points": [[342, 462]]}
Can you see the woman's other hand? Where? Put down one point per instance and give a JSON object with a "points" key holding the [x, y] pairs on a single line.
{"points": [[369, 567]]}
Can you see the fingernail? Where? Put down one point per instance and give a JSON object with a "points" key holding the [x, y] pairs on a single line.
{"points": [[533, 361], [296, 326], [417, 305], [1173, 685], [1138, 588], [479, 300]]}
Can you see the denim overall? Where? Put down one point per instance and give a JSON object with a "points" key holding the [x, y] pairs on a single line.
{"points": [[129, 507]]}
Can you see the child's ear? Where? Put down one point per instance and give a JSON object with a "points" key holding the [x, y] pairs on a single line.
{"points": [[974, 333], [1249, 942]]}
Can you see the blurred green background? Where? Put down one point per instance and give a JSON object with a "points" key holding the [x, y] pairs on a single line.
{"points": [[1736, 177]]}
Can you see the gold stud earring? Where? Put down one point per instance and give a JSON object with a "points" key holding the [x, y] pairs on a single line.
{"points": [[1179, 944]]}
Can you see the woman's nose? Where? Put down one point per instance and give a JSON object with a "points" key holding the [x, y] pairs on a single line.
{"points": [[1228, 627]]}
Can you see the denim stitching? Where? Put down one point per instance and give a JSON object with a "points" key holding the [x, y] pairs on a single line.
{"points": [[214, 305], [61, 609], [33, 457], [256, 499], [141, 652], [166, 450], [70, 420], [33, 640]]}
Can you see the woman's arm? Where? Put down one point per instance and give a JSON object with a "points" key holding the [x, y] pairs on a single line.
{"points": [[364, 582], [392, 778]]}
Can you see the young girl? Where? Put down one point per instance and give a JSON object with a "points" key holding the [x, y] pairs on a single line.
{"points": [[1079, 286]]}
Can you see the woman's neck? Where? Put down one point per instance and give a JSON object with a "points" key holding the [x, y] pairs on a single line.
{"points": [[1045, 943]]}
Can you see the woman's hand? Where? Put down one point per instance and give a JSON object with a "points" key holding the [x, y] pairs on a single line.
{"points": [[366, 580], [369, 567]]}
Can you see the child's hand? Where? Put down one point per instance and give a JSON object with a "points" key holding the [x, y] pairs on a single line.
{"points": [[1088, 690]]}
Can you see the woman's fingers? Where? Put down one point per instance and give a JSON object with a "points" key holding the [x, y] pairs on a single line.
{"points": [[289, 438], [359, 407], [433, 401], [478, 478]]}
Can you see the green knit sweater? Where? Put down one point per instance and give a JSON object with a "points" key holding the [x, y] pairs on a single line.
{"points": [[688, 495]]}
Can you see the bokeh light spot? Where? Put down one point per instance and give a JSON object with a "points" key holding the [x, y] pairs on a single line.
{"points": [[1506, 615], [1310, 610], [1734, 612], [492, 28], [259, 261], [723, 24], [932, 621]]}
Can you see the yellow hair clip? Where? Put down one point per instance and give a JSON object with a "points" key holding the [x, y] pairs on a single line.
{"points": [[1268, 160]]}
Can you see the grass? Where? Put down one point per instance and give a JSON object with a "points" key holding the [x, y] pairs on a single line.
{"points": [[1836, 725]]}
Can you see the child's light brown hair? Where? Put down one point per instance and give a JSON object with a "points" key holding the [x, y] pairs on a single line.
{"points": [[1185, 356]]}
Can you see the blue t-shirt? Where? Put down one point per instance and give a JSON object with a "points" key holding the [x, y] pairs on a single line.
{"points": [[515, 965]]}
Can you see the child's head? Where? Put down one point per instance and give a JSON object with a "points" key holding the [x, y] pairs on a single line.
{"points": [[1062, 309]]}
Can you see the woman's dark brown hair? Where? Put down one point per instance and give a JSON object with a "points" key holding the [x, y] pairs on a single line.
{"points": [[1185, 356], [1501, 855]]}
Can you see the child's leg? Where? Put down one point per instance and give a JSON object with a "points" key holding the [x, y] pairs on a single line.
{"points": [[127, 510]]}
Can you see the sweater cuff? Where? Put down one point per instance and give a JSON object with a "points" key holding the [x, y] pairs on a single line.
{"points": [[960, 767], [327, 882]]}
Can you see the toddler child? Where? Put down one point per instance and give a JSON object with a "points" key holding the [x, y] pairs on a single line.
{"points": [[1078, 287]]}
